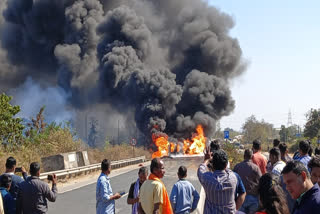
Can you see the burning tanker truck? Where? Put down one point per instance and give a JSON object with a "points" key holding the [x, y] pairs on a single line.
{"points": [[165, 66], [193, 146]]}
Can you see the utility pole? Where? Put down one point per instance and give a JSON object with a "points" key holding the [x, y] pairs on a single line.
{"points": [[289, 124], [86, 127], [118, 132]]}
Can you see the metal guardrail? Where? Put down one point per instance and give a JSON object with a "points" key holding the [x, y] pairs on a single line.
{"points": [[114, 164]]}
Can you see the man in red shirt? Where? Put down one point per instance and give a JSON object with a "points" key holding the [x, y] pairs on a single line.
{"points": [[259, 158]]}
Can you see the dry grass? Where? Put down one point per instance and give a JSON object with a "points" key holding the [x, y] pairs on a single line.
{"points": [[62, 142], [57, 141], [116, 152]]}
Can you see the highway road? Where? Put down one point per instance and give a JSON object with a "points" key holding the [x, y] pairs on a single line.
{"points": [[82, 200]]}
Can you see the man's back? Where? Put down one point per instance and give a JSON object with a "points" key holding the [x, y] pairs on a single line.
{"points": [[151, 192], [184, 196], [33, 195], [261, 161], [278, 167], [303, 159], [250, 174], [220, 187]]}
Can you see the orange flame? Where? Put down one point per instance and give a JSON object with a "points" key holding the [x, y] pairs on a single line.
{"points": [[197, 144], [162, 144], [172, 147], [194, 146]]}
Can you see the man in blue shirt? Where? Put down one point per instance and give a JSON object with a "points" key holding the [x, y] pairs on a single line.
{"points": [[104, 196], [303, 156], [9, 204], [182, 193], [240, 193], [299, 185]]}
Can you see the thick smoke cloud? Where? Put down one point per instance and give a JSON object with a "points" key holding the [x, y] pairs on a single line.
{"points": [[7, 71], [168, 63], [53, 99]]}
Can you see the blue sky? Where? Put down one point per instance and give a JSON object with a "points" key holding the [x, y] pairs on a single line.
{"points": [[281, 41]]}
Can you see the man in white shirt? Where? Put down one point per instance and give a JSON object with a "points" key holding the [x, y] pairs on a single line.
{"points": [[275, 159]]}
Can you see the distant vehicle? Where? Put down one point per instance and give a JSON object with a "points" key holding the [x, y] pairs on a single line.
{"points": [[239, 145]]}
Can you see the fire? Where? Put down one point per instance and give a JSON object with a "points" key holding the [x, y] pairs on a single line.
{"points": [[196, 145], [172, 147], [162, 144]]}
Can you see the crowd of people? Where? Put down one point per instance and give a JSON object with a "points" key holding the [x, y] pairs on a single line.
{"points": [[278, 185], [27, 195]]}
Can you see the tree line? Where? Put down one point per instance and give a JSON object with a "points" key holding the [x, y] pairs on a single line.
{"points": [[260, 129]]}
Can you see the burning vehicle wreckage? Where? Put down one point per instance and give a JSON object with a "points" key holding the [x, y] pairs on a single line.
{"points": [[165, 66], [193, 146]]}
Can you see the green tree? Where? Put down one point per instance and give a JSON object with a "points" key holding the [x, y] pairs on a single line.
{"points": [[284, 134], [288, 134], [312, 127], [93, 133], [10, 126], [255, 129], [37, 126], [95, 137]]}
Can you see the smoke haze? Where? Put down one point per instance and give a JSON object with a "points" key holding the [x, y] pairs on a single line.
{"points": [[163, 66]]}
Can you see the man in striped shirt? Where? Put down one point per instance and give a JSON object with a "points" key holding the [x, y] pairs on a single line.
{"points": [[219, 185]]}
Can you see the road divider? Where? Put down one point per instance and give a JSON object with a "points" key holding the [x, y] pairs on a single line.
{"points": [[84, 169]]}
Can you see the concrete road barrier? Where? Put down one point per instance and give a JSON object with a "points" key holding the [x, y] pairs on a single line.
{"points": [[93, 167]]}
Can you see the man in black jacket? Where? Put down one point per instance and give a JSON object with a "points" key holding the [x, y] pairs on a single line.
{"points": [[34, 193]]}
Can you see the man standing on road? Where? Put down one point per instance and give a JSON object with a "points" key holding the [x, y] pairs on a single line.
{"points": [[16, 180], [154, 197], [133, 197], [284, 153], [34, 193], [219, 185], [250, 175], [276, 162], [298, 183], [257, 157], [104, 196], [182, 193], [303, 156], [276, 144]]}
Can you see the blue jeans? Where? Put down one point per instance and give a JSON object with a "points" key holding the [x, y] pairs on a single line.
{"points": [[250, 204]]}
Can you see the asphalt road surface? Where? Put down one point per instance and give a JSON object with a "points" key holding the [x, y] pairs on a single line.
{"points": [[83, 200]]}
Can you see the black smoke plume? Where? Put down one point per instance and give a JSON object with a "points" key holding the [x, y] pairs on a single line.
{"points": [[169, 63]]}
